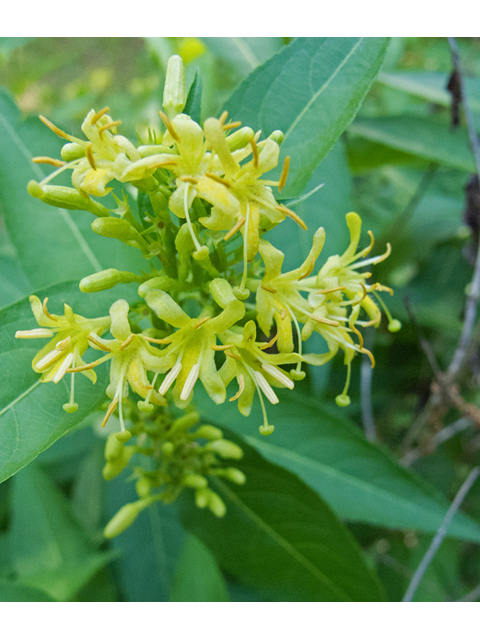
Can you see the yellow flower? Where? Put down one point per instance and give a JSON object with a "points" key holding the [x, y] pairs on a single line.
{"points": [[254, 369], [69, 342], [190, 354]]}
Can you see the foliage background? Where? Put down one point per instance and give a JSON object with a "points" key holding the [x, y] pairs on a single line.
{"points": [[403, 168]]}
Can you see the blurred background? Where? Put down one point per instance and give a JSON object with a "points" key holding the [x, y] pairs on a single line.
{"points": [[403, 165]]}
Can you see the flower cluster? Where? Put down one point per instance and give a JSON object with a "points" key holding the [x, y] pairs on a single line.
{"points": [[220, 308]]}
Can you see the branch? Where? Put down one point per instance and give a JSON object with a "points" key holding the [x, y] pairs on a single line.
{"points": [[441, 533]]}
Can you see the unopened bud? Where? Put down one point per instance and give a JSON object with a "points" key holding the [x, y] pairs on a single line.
{"points": [[186, 421], [106, 279], [168, 448], [117, 228], [125, 517], [65, 198], [72, 151], [164, 283], [225, 449], [222, 292], [216, 505], [174, 93], [240, 138], [235, 475], [277, 136], [143, 487], [113, 448], [194, 481], [209, 433], [115, 466], [202, 497]]}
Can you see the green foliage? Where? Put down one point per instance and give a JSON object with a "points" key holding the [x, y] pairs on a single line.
{"points": [[324, 514]]}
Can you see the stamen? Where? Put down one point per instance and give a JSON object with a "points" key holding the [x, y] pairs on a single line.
{"points": [[235, 228], [55, 129], [200, 322], [221, 347], [284, 175], [283, 314], [245, 248], [190, 382], [98, 115], [63, 368], [111, 125], [308, 271], [166, 121], [46, 312], [157, 340], [170, 378], [235, 356], [188, 179], [152, 387], [47, 360], [291, 214], [253, 144], [212, 176], [360, 300], [35, 333], [164, 163], [98, 342], [127, 342], [71, 406], [91, 365], [332, 290], [111, 408], [90, 158], [357, 333], [241, 388], [270, 289], [269, 344], [393, 325], [376, 260], [223, 118], [189, 222], [331, 323], [370, 355], [231, 125], [265, 387], [64, 344], [47, 160], [276, 373]]}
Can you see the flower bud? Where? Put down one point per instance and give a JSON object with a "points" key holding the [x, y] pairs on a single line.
{"points": [[202, 497], [174, 93], [168, 448], [194, 481], [72, 151], [164, 283], [115, 466], [235, 475], [225, 449], [125, 517], [117, 228], [216, 505], [106, 279], [209, 433], [277, 136], [143, 487], [65, 198], [186, 421], [240, 138], [222, 292], [113, 448]]}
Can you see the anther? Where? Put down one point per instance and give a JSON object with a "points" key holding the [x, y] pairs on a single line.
{"points": [[47, 160], [200, 322], [223, 118], [64, 344], [90, 158], [235, 228], [254, 151], [166, 121], [332, 290], [221, 347], [46, 311], [54, 128], [291, 214], [111, 125], [284, 175], [231, 125], [241, 388], [98, 115], [111, 408], [331, 323], [127, 342], [270, 289], [270, 344], [188, 179], [212, 176]]}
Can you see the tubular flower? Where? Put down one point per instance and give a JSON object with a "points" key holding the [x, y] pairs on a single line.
{"points": [[132, 358], [188, 355], [342, 271], [69, 342], [254, 369], [98, 160], [278, 294]]}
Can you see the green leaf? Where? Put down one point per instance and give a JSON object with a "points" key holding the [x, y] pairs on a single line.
{"points": [[49, 550], [193, 106], [365, 155], [13, 592], [198, 578], [310, 90], [360, 481], [148, 549], [53, 245], [280, 538], [431, 86], [13, 282], [31, 414], [244, 54], [424, 138]]}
